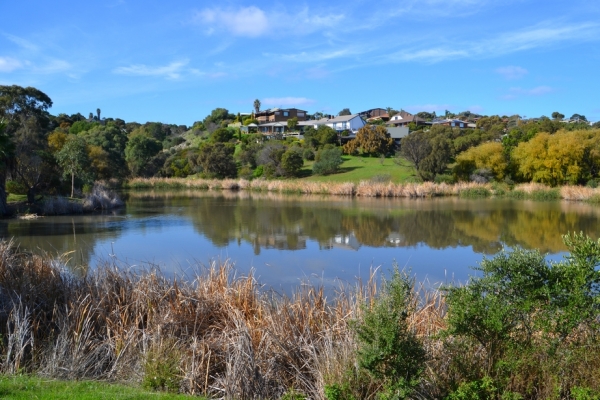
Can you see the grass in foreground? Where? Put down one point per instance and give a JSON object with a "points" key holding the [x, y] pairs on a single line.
{"points": [[28, 387]]}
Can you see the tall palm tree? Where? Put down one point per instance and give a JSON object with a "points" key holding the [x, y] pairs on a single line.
{"points": [[98, 112], [257, 105]]}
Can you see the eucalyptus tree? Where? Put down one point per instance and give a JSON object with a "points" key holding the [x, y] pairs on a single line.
{"points": [[24, 111]]}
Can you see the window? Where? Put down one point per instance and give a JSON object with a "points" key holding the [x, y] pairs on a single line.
{"points": [[286, 114], [300, 114]]}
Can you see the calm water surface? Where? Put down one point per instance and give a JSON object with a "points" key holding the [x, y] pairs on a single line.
{"points": [[287, 239]]}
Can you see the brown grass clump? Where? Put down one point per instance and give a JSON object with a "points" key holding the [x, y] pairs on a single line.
{"points": [[224, 336], [578, 193], [371, 188]]}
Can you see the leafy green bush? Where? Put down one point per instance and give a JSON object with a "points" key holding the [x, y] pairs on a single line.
{"points": [[388, 349], [258, 172], [529, 315], [328, 161], [308, 154], [15, 187], [592, 183], [444, 178]]}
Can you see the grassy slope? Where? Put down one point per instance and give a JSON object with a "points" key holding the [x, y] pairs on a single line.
{"points": [[357, 168], [26, 387]]}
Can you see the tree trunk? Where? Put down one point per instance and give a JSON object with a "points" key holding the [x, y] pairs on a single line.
{"points": [[31, 195], [3, 205], [72, 184]]}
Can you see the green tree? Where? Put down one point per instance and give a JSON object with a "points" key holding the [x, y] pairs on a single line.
{"points": [[292, 162], [439, 157], [73, 159], [24, 112], [292, 123], [345, 111], [216, 160], [328, 161], [374, 140], [325, 135], [557, 116], [529, 314], [112, 141], [553, 159], [139, 152], [256, 105], [415, 148], [488, 156], [222, 135]]}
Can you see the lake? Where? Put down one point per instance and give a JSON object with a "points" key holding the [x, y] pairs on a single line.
{"points": [[289, 239]]}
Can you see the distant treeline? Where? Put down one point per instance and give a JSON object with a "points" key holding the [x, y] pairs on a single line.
{"points": [[41, 153]]}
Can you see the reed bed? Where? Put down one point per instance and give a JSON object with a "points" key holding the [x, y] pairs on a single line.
{"points": [[219, 334], [374, 188]]}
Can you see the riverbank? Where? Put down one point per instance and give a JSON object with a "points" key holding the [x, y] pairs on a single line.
{"points": [[226, 336], [100, 198], [533, 191]]}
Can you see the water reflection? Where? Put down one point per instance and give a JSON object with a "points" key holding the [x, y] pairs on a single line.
{"points": [[286, 222], [307, 233]]}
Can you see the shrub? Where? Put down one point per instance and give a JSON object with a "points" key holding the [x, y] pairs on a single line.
{"points": [[481, 175], [444, 178], [258, 172], [592, 183], [388, 349], [527, 317], [291, 162], [15, 187], [328, 161], [475, 192], [308, 154]]}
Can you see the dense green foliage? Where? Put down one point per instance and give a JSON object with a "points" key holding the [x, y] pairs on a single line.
{"points": [[387, 348], [500, 148], [328, 161], [530, 317]]}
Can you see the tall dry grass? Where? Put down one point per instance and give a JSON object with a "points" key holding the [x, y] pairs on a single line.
{"points": [[372, 188], [228, 337]]}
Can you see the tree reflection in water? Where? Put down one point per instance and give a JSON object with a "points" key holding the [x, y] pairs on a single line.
{"points": [[290, 223]]}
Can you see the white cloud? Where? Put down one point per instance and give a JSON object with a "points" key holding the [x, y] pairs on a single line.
{"points": [[172, 71], [51, 66], [515, 92], [250, 21], [8, 64], [287, 101], [25, 44], [539, 36], [254, 22], [511, 72]]}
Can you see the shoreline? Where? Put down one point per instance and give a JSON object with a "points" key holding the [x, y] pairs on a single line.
{"points": [[524, 191]]}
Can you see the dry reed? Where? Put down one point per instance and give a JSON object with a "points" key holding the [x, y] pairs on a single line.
{"points": [[367, 188], [228, 336]]}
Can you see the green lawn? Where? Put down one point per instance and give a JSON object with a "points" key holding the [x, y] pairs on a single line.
{"points": [[358, 168], [27, 387], [16, 197]]}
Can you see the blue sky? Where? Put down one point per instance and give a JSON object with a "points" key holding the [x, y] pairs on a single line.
{"points": [[176, 61]]}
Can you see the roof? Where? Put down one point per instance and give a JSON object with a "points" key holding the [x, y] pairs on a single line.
{"points": [[343, 118]]}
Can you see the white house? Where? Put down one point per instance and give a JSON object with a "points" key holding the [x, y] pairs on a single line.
{"points": [[351, 123]]}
